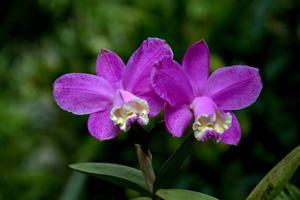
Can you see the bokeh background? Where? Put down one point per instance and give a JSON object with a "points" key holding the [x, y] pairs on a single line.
{"points": [[41, 40]]}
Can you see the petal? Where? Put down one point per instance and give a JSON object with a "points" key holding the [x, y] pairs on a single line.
{"points": [[203, 106], [154, 101], [137, 74], [233, 134], [82, 93], [234, 87], [196, 65], [123, 96], [170, 83], [127, 109], [101, 127], [177, 119], [209, 134], [109, 66]]}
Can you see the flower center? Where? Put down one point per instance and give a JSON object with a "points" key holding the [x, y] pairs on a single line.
{"points": [[218, 122], [135, 109], [209, 119]]}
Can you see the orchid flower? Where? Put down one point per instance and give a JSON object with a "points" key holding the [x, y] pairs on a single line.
{"points": [[208, 101], [117, 95]]}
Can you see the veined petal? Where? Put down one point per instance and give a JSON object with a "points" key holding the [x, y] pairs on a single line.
{"points": [[232, 136], [101, 127], [196, 65], [234, 87], [177, 119], [137, 73], [82, 93], [170, 83], [109, 66], [154, 101]]}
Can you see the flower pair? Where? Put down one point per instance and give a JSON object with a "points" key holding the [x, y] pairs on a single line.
{"points": [[119, 95]]}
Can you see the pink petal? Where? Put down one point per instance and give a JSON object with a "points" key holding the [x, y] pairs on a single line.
{"points": [[101, 127], [234, 87], [203, 106], [196, 65], [154, 101], [170, 83], [210, 134], [137, 74], [123, 96], [177, 119], [82, 93], [233, 135], [109, 66]]}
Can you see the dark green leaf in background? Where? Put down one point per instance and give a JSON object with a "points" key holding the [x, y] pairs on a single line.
{"points": [[142, 198], [179, 194], [171, 166]]}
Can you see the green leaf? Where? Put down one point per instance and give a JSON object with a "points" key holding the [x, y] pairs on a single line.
{"points": [[119, 174], [170, 167], [179, 194], [142, 198], [290, 192], [272, 184]]}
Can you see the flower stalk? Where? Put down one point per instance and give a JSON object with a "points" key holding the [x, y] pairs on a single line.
{"points": [[140, 138], [145, 163]]}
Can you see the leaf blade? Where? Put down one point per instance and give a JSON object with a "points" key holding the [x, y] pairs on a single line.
{"points": [[142, 198], [125, 176], [179, 194], [290, 192], [170, 167], [272, 184]]}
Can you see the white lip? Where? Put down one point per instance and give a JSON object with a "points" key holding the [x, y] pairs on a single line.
{"points": [[218, 122], [135, 108]]}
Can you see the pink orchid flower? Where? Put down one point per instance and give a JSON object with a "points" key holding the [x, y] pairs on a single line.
{"points": [[193, 96], [117, 95]]}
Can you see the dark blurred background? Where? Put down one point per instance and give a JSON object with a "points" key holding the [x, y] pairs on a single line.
{"points": [[41, 40]]}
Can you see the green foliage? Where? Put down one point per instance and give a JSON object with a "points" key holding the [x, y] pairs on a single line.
{"points": [[290, 192], [273, 183], [172, 165], [119, 174], [141, 198], [178, 194]]}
